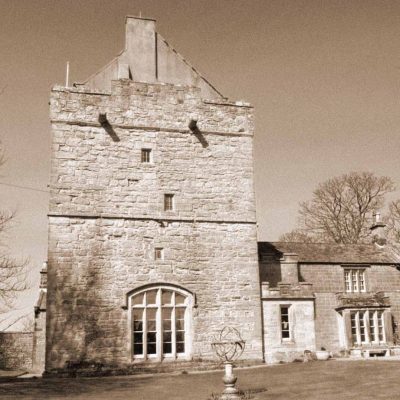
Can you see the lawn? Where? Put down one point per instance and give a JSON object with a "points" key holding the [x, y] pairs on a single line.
{"points": [[329, 380]]}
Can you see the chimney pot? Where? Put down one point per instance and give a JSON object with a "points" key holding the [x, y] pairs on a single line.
{"points": [[378, 229]]}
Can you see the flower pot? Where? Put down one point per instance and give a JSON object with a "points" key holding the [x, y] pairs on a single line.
{"points": [[322, 355]]}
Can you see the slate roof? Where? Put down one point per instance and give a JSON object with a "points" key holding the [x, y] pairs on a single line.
{"points": [[333, 253]]}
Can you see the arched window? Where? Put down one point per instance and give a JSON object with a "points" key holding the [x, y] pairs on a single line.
{"points": [[160, 323]]}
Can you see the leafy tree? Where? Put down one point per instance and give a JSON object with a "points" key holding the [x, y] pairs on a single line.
{"points": [[341, 208]]}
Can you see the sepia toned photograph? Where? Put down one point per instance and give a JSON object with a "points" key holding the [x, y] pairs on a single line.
{"points": [[199, 199]]}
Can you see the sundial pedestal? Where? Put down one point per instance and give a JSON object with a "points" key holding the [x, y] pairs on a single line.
{"points": [[230, 392]]}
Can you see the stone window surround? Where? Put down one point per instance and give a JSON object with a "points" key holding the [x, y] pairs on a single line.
{"points": [[190, 303], [146, 156], [169, 202], [363, 317], [290, 339], [159, 253], [361, 269]]}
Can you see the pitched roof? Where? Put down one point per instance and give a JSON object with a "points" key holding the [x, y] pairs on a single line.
{"points": [[149, 58], [333, 253]]}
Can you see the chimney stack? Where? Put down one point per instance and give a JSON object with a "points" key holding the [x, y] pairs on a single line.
{"points": [[140, 49], [289, 268], [378, 230]]}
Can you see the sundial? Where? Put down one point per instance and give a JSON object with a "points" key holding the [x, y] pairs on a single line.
{"points": [[229, 346]]}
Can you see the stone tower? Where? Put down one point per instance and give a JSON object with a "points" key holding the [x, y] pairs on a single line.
{"points": [[152, 228]]}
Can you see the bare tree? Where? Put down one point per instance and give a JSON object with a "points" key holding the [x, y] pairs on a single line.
{"points": [[393, 221], [297, 235], [341, 208], [13, 279]]}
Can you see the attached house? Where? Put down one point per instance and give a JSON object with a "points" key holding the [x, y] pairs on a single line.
{"points": [[341, 297]]}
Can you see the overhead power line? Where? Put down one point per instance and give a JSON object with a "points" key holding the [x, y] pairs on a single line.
{"points": [[24, 187]]}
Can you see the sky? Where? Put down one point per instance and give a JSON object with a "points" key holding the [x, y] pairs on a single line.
{"points": [[323, 76]]}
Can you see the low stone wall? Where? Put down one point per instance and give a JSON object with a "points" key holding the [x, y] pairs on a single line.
{"points": [[85, 369], [16, 350]]}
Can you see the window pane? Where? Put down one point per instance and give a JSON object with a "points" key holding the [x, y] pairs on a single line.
{"points": [[380, 326], [137, 314], [138, 349], [166, 312], [361, 281], [151, 313], [167, 336], [347, 280], [167, 348], [354, 280], [151, 337], [167, 325], [151, 348], [138, 325], [180, 347], [137, 331], [151, 342], [180, 336], [285, 334], [180, 313], [151, 331], [151, 296], [166, 297], [138, 337], [362, 326], [151, 325], [138, 299], [372, 326], [354, 327], [179, 299], [180, 324]]}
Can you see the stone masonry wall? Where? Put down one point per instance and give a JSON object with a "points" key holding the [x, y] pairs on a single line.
{"points": [[16, 350], [394, 297], [39, 342], [95, 263], [107, 216], [92, 173], [302, 328], [330, 277], [327, 280]]}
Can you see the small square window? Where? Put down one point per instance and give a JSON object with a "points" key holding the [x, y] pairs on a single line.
{"points": [[159, 253], [146, 155], [168, 202]]}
